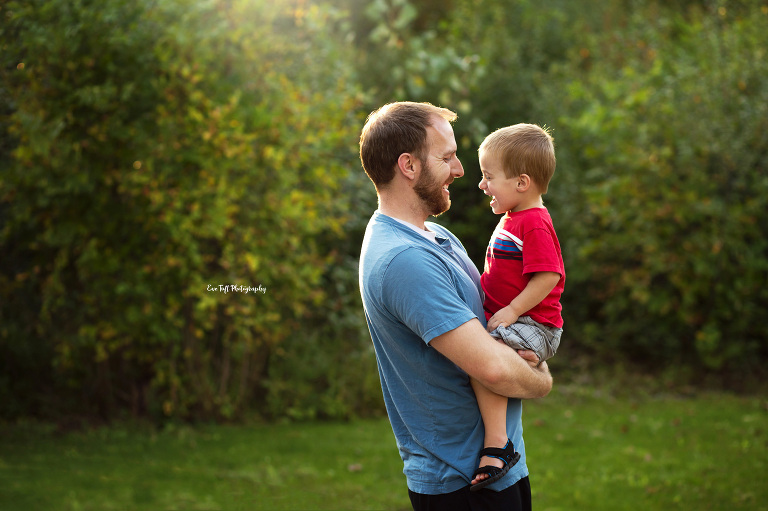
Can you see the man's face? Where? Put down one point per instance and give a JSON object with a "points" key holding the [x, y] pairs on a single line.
{"points": [[439, 168], [432, 190]]}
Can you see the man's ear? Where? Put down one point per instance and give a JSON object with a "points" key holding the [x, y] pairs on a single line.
{"points": [[523, 182], [407, 165]]}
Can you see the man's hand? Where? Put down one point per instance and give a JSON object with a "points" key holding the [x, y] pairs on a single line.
{"points": [[503, 317], [529, 356]]}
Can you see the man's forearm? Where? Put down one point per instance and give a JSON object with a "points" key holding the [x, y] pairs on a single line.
{"points": [[495, 365], [523, 381]]}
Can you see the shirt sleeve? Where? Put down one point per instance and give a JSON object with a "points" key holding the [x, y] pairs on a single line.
{"points": [[540, 252], [418, 289]]}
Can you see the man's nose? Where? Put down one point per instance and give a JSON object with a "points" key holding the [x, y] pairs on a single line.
{"points": [[458, 169]]}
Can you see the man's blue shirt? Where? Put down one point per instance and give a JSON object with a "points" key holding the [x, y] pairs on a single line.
{"points": [[414, 290]]}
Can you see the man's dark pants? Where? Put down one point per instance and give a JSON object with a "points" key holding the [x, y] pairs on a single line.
{"points": [[515, 498]]}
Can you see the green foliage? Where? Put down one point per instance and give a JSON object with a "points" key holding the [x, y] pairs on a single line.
{"points": [[166, 151], [665, 135], [659, 115], [154, 153]]}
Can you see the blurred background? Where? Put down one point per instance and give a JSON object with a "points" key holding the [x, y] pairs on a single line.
{"points": [[155, 151]]}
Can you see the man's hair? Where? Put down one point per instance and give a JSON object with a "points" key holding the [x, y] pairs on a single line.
{"points": [[523, 149], [392, 130]]}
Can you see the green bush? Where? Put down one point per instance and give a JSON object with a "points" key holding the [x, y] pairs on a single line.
{"points": [[155, 151], [665, 178], [164, 151], [659, 116]]}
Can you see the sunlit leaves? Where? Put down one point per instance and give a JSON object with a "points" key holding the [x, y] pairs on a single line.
{"points": [[165, 150]]}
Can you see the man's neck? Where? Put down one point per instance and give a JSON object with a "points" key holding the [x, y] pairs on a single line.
{"points": [[402, 211]]}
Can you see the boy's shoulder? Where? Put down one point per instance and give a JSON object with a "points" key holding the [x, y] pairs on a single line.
{"points": [[528, 221], [529, 217], [541, 212]]}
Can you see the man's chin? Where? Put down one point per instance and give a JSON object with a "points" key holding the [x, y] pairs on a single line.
{"points": [[441, 209]]}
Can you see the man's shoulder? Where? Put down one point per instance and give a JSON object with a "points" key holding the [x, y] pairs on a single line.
{"points": [[385, 237], [403, 255], [380, 236], [387, 245]]}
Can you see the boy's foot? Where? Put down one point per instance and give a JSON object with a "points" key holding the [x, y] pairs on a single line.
{"points": [[498, 441], [486, 461], [494, 464]]}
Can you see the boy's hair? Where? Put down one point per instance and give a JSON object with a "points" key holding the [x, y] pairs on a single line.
{"points": [[524, 149], [392, 130]]}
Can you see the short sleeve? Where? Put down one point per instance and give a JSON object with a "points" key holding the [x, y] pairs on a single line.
{"points": [[541, 252], [419, 290]]}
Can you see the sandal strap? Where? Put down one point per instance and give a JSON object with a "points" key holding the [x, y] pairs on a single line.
{"points": [[487, 469], [507, 454]]}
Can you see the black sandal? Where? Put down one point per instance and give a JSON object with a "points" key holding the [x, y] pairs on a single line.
{"points": [[507, 455]]}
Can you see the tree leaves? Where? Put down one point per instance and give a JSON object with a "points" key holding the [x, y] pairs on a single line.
{"points": [[162, 149]]}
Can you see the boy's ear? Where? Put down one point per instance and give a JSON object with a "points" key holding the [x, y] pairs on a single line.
{"points": [[523, 182], [407, 165]]}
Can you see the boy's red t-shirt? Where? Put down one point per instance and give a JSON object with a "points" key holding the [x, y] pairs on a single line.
{"points": [[523, 243]]}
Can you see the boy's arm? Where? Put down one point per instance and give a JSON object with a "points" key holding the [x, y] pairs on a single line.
{"points": [[540, 285], [493, 364]]}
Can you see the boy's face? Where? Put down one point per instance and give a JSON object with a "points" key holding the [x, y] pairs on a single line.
{"points": [[503, 190]]}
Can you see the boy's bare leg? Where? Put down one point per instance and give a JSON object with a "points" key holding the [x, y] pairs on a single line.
{"points": [[493, 409]]}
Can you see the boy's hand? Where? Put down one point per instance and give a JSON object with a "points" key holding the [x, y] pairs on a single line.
{"points": [[504, 317]]}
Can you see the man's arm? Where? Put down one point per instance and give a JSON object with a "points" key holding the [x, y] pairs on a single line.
{"points": [[495, 365]]}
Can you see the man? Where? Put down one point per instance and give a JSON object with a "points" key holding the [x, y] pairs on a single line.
{"points": [[423, 303]]}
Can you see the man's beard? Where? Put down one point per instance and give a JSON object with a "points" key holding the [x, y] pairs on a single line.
{"points": [[431, 192]]}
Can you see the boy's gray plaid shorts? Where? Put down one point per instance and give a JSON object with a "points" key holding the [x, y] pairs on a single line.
{"points": [[528, 334]]}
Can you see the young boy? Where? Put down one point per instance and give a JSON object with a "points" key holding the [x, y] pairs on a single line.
{"points": [[524, 272]]}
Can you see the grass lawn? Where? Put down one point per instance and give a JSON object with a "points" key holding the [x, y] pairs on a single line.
{"points": [[587, 451]]}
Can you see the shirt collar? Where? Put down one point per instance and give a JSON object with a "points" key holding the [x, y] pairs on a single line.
{"points": [[430, 235]]}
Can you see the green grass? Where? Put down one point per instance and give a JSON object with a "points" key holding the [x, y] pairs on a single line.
{"points": [[591, 451], [586, 451]]}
